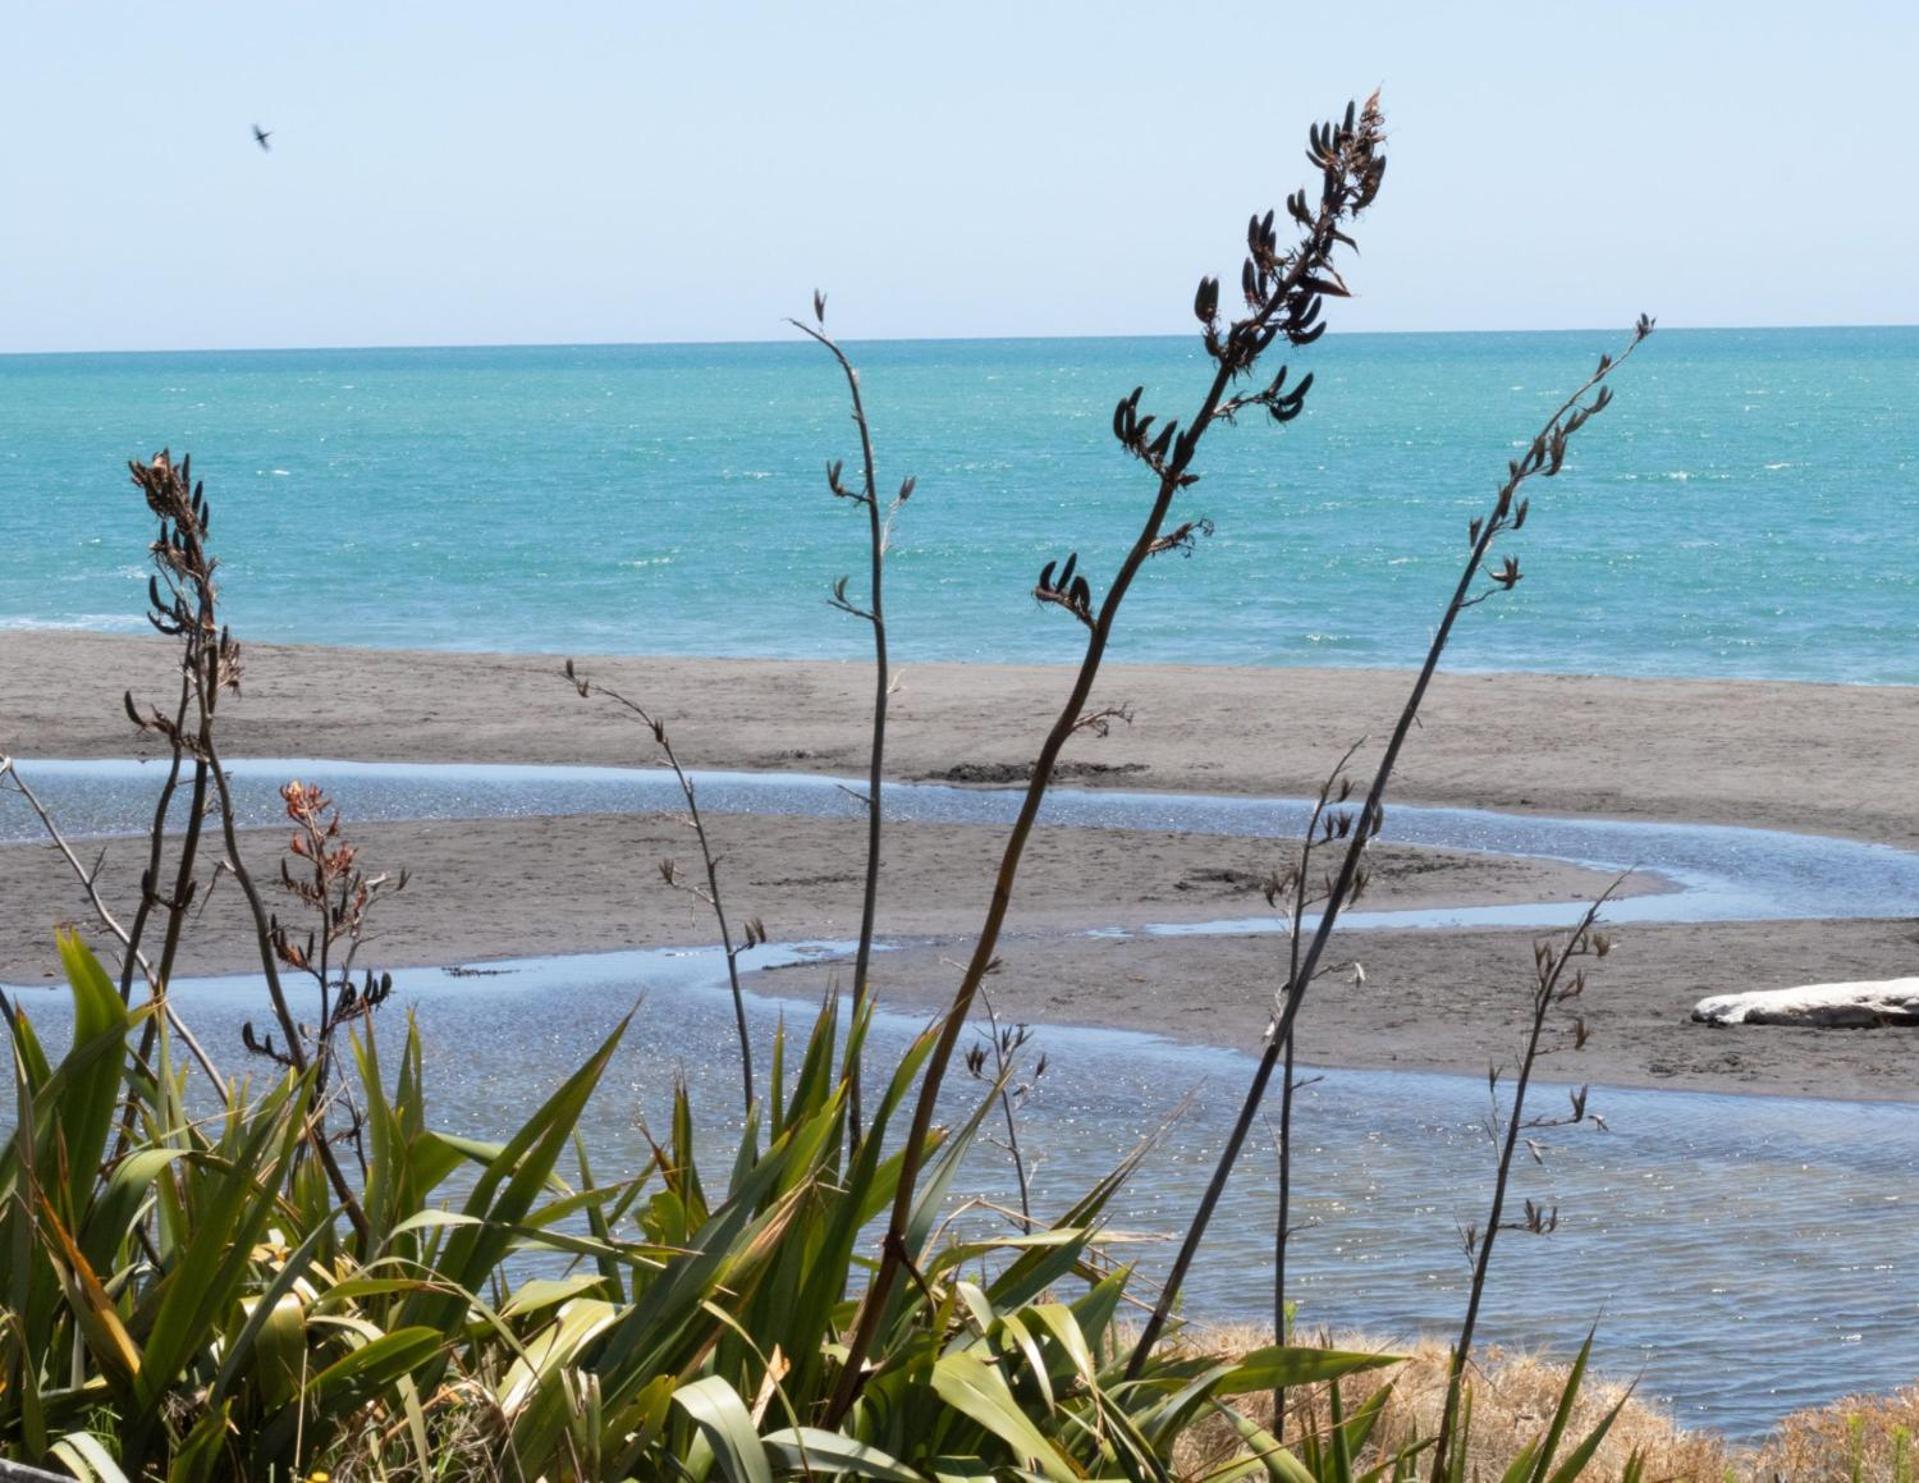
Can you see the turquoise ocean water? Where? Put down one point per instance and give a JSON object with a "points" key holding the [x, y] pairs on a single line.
{"points": [[1749, 507]]}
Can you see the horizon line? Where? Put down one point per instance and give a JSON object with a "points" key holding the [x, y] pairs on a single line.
{"points": [[894, 340]]}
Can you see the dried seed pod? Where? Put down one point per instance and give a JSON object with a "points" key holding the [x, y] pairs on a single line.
{"points": [[1206, 300]]}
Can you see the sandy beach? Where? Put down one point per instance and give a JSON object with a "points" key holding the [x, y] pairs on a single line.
{"points": [[1817, 759]]}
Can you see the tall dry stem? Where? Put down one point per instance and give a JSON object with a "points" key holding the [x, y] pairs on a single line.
{"points": [[1550, 991], [879, 537], [1295, 886], [1005, 1042], [1544, 457], [754, 930], [1284, 292]]}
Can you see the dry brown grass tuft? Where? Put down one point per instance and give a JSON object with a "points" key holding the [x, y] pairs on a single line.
{"points": [[1858, 1436], [1513, 1399]]}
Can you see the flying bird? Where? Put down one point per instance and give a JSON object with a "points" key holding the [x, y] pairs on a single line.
{"points": [[260, 137]]}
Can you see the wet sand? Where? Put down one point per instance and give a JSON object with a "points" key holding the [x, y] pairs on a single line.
{"points": [[1821, 759]]}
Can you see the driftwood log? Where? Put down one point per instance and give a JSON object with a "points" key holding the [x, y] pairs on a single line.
{"points": [[1851, 1006]]}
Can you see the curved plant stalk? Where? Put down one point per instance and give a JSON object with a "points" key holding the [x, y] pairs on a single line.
{"points": [[1005, 1043], [754, 931], [1543, 458], [1295, 883], [880, 532], [1284, 292]]}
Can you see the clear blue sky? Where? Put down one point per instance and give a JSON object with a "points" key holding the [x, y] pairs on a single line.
{"points": [[581, 170]]}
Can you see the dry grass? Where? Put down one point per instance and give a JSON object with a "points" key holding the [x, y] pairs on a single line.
{"points": [[1857, 1437], [1513, 1399]]}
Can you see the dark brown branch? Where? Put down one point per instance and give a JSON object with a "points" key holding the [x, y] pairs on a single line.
{"points": [[755, 931], [1550, 969], [1301, 899]]}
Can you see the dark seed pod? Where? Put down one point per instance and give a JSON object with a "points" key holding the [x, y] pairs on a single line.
{"points": [[1206, 300]]}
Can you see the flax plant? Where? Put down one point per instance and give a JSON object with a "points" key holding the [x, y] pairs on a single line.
{"points": [[338, 897], [183, 601], [1296, 887], [1003, 1043], [879, 518], [1284, 291], [1552, 992], [753, 930], [1544, 458]]}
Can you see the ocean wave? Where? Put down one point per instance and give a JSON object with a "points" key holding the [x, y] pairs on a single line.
{"points": [[79, 623]]}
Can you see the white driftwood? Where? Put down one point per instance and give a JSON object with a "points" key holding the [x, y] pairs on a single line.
{"points": [[1854, 1006]]}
